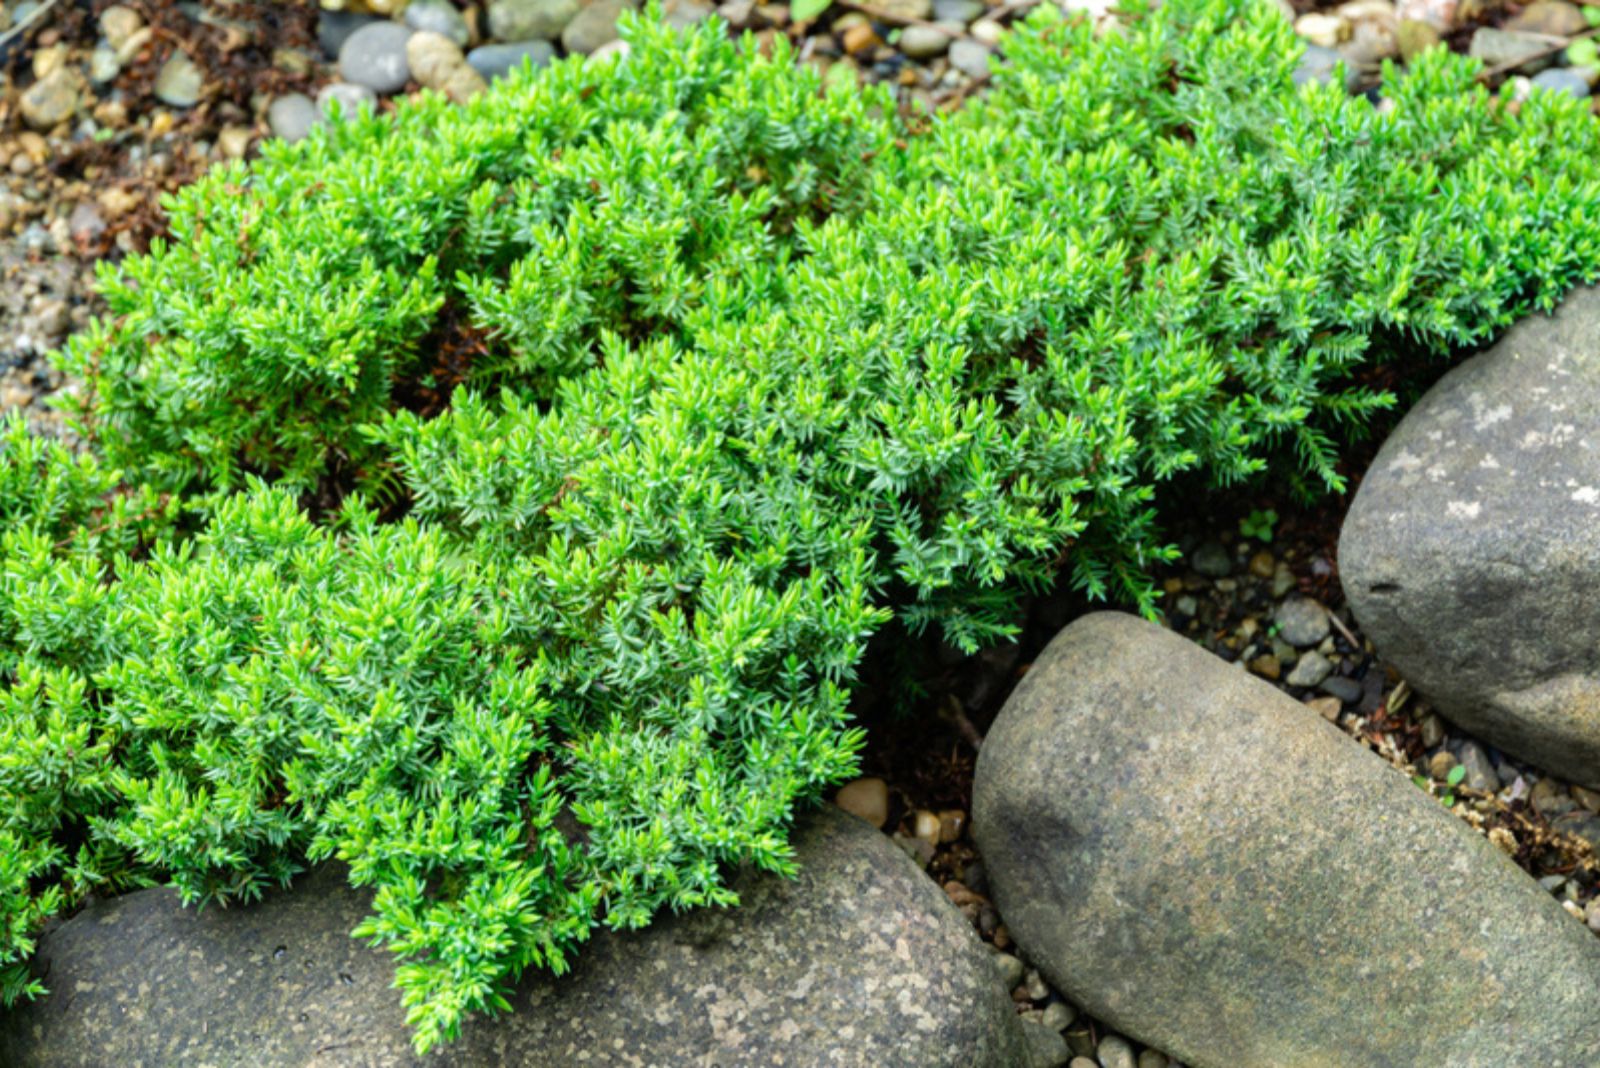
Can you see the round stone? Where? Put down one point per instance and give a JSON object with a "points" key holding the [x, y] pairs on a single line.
{"points": [[924, 42], [594, 27], [1301, 622], [349, 97], [292, 116], [375, 56], [1138, 799], [179, 82], [1563, 80], [784, 978], [970, 57], [526, 20], [867, 798], [497, 60], [50, 100], [438, 16], [1471, 553]]}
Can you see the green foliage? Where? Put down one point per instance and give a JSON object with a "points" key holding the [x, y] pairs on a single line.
{"points": [[688, 373]]}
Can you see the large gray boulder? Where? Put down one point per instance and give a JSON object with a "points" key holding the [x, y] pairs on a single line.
{"points": [[860, 961], [1471, 553], [1212, 868]]}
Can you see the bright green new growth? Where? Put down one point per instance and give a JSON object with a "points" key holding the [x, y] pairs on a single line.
{"points": [[746, 366]]}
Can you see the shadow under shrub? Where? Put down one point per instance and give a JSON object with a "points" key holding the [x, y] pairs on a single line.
{"points": [[739, 369]]}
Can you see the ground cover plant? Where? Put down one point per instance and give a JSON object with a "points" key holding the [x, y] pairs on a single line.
{"points": [[500, 498]]}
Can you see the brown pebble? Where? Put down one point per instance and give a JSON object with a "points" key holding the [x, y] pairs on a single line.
{"points": [[1441, 763], [859, 38], [1266, 666], [1326, 707], [925, 825], [867, 798], [960, 894], [1262, 565], [1589, 799], [952, 824]]}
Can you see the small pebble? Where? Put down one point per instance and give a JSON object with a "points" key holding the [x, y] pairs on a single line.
{"points": [[292, 116], [1346, 690], [350, 98], [438, 16], [496, 60], [1441, 764], [866, 798], [594, 26], [1563, 80], [925, 825], [334, 28], [1114, 1052], [1529, 51], [1058, 1016], [1153, 1059], [924, 42], [1011, 970], [234, 141], [1266, 666], [49, 101], [179, 82], [1326, 707], [375, 57], [1310, 670], [918, 849], [1432, 728], [525, 20], [952, 824], [1033, 983], [1301, 622], [119, 22], [1557, 18], [103, 66], [970, 57], [1480, 774], [987, 32], [1046, 1048]]}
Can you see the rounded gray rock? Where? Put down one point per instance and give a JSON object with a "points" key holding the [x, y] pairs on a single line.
{"points": [[594, 26], [375, 56], [497, 60], [292, 116], [438, 16], [179, 82], [1156, 848], [1301, 622], [350, 98], [1471, 553], [1563, 80], [859, 961], [335, 27], [525, 20]]}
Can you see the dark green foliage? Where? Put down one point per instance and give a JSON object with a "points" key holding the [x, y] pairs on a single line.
{"points": [[691, 374]]}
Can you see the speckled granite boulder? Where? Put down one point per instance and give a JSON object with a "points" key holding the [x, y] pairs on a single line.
{"points": [[1471, 554], [860, 961], [1210, 867]]}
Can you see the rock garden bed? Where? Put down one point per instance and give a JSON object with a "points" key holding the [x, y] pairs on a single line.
{"points": [[1175, 846]]}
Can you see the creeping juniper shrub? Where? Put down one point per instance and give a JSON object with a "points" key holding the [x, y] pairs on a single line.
{"points": [[690, 374]]}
